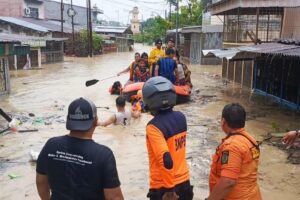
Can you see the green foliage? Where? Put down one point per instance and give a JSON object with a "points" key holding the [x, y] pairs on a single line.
{"points": [[157, 27], [81, 43], [138, 38], [97, 40], [152, 29], [275, 127], [189, 15]]}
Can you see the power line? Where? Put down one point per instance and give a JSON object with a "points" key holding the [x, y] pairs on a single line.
{"points": [[143, 7]]}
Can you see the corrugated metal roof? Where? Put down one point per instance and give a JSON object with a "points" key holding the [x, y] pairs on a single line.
{"points": [[251, 51], [53, 26], [110, 29], [23, 23], [25, 38]]}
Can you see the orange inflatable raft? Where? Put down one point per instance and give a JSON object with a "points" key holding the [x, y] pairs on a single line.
{"points": [[183, 92]]}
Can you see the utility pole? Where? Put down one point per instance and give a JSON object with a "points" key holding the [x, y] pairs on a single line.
{"points": [[62, 17], [89, 28], [170, 11], [73, 35], [177, 15], [142, 30]]}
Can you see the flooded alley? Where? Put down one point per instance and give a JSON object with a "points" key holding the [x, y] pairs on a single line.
{"points": [[40, 98]]}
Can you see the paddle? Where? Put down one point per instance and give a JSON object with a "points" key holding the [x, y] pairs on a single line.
{"points": [[94, 81], [105, 107], [8, 118]]}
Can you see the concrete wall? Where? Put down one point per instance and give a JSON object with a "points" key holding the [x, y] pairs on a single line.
{"points": [[211, 41], [53, 12], [291, 25], [12, 8]]}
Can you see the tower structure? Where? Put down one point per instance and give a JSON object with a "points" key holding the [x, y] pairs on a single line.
{"points": [[135, 22]]}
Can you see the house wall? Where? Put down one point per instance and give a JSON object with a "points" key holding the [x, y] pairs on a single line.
{"points": [[240, 72], [53, 12], [278, 77], [211, 41], [11, 8], [291, 25], [32, 4]]}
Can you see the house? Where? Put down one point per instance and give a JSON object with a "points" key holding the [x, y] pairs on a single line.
{"points": [[46, 9], [248, 21], [53, 12], [197, 38], [261, 40], [115, 36], [43, 47], [9, 48], [194, 39]]}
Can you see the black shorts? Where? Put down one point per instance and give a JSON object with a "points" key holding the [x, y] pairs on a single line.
{"points": [[183, 190]]}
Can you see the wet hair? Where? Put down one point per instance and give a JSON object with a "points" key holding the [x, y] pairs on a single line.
{"points": [[170, 51], [120, 101], [116, 88], [235, 115], [144, 54]]}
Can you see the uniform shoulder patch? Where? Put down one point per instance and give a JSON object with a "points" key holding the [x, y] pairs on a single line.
{"points": [[225, 157]]}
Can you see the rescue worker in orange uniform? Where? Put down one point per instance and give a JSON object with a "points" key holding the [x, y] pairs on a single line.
{"points": [[234, 168], [166, 143]]}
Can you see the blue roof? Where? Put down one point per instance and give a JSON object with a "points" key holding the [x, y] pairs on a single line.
{"points": [[24, 24]]}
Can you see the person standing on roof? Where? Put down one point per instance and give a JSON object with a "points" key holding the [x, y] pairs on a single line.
{"points": [[234, 168], [73, 166], [166, 143], [155, 55], [167, 67]]}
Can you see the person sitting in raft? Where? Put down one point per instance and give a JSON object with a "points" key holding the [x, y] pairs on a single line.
{"points": [[184, 74], [116, 88], [122, 116], [145, 57], [131, 68], [167, 67], [141, 72]]}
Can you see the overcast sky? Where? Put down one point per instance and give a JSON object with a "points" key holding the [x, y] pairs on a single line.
{"points": [[118, 10]]}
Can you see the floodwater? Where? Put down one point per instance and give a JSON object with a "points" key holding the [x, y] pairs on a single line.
{"points": [[47, 92]]}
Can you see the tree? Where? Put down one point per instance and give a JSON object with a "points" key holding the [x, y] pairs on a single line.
{"points": [[152, 29], [189, 15], [81, 42]]}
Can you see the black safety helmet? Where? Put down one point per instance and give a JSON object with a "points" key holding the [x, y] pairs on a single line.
{"points": [[158, 94]]}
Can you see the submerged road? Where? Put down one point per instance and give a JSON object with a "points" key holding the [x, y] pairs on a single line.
{"points": [[47, 92]]}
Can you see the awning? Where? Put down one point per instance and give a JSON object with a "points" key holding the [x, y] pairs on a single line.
{"points": [[250, 52], [28, 40]]}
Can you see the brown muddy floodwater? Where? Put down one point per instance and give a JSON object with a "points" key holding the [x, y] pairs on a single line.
{"points": [[47, 92]]}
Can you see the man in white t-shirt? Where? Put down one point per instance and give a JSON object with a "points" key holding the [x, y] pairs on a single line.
{"points": [[122, 116]]}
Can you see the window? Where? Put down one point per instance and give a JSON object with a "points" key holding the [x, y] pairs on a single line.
{"points": [[34, 12]]}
